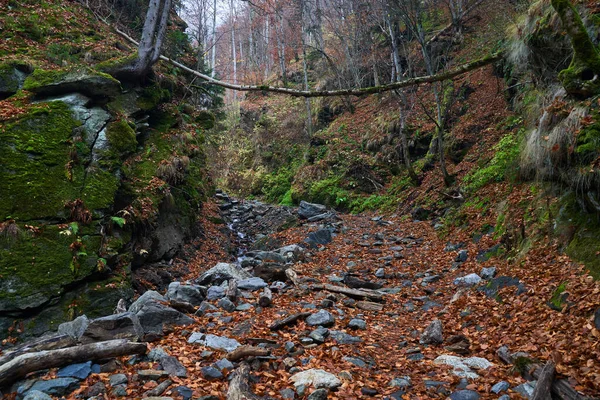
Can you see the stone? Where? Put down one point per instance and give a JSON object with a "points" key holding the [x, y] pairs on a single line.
{"points": [[154, 315], [215, 293], [214, 341], [504, 397], [468, 280], [356, 323], [367, 391], [319, 394], [157, 354], [431, 278], [36, 395], [75, 328], [462, 256], [290, 347], [501, 386], [96, 389], [184, 392], [57, 386], [118, 326], [120, 391], [317, 378], [186, 293], [79, 371], [321, 318], [403, 382], [244, 307], [224, 364], [287, 393], [495, 284], [464, 395], [360, 363], [226, 304], [526, 389], [307, 210], [380, 273], [81, 80], [289, 362], [173, 367], [223, 272], [320, 237], [488, 273], [344, 338], [117, 379], [252, 284], [597, 318], [151, 374], [433, 333], [462, 366], [211, 373]]}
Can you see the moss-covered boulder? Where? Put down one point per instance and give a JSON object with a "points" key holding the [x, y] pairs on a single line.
{"points": [[12, 77], [80, 80]]}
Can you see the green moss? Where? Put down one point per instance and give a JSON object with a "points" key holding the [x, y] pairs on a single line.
{"points": [[99, 189], [557, 299], [121, 137], [205, 119], [41, 77], [152, 96], [112, 65]]}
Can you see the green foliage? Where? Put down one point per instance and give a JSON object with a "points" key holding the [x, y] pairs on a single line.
{"points": [[557, 299], [120, 222], [152, 96], [278, 185], [329, 192], [506, 153]]}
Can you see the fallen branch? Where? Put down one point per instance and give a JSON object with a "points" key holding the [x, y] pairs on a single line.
{"points": [[247, 351], [182, 306], [543, 387], [354, 293], [49, 343], [369, 306], [288, 320], [31, 362], [239, 387]]}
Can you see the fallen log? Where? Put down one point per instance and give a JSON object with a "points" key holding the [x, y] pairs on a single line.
{"points": [[560, 387], [239, 387], [266, 298], [543, 387], [288, 320], [182, 306], [31, 362], [48, 343], [160, 389], [231, 291], [354, 293], [369, 306], [247, 351]]}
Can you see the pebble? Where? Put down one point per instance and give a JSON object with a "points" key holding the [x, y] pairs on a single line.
{"points": [[501, 386], [356, 323]]}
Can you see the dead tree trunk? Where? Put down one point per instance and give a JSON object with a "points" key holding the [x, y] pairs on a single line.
{"points": [[239, 388]]}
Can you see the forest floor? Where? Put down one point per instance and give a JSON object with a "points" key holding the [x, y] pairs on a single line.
{"points": [[418, 272]]}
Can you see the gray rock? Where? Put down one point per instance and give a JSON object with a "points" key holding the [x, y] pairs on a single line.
{"points": [[173, 367], [316, 378], [184, 392], [244, 307], [56, 387], [186, 293], [356, 323], [488, 273], [117, 379], [224, 364], [215, 293], [211, 373], [491, 288], [433, 333], [360, 363], [118, 326], [287, 393], [223, 272], [157, 354], [464, 395], [96, 389], [79, 371], [344, 338], [36, 395], [226, 304], [86, 81], [526, 389], [151, 374], [120, 391], [501, 386], [403, 382], [380, 273], [307, 210], [468, 280], [214, 341], [149, 296], [319, 394], [320, 237], [462, 256], [153, 315], [431, 278], [75, 328], [252, 284], [290, 346], [321, 318]]}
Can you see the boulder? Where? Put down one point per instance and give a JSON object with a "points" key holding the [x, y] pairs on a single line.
{"points": [[468, 280], [215, 293], [191, 294], [12, 76], [79, 371], [36, 395], [118, 326], [83, 80], [252, 284], [75, 328], [214, 341], [56, 387], [308, 210], [173, 367], [317, 378], [153, 315], [433, 333], [321, 318], [223, 272]]}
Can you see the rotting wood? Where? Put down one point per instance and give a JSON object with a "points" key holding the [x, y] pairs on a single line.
{"points": [[182, 306], [354, 293], [369, 306], [543, 388], [239, 387], [288, 320], [266, 298], [31, 362], [247, 351], [47, 343]]}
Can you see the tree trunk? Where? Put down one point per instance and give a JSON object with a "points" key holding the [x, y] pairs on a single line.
{"points": [[233, 50], [214, 41]]}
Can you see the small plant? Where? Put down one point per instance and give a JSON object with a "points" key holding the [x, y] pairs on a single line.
{"points": [[119, 221]]}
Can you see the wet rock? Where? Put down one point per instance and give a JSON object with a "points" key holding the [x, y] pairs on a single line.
{"points": [[464, 395], [75, 328], [344, 338], [321, 318], [316, 378], [226, 304], [223, 272], [214, 341], [319, 394], [211, 373], [79, 371], [173, 367], [117, 379], [36, 395], [118, 326], [186, 293], [501, 386], [468, 280], [57, 386], [251, 284], [433, 333], [307, 210], [488, 273]]}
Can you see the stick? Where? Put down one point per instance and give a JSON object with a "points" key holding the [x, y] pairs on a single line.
{"points": [[543, 388], [356, 293], [288, 320], [239, 388], [266, 298], [26, 363], [247, 351], [51, 343], [369, 306]]}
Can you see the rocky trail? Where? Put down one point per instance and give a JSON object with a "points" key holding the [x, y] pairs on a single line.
{"points": [[317, 305]]}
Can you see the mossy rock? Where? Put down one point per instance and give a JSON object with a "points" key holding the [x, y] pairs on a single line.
{"points": [[12, 77], [121, 137], [206, 120], [152, 96], [80, 80]]}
